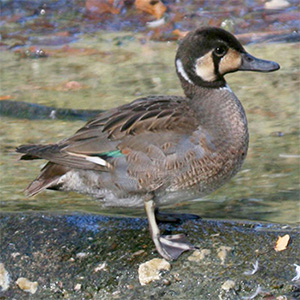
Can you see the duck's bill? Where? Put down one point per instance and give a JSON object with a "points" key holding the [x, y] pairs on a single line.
{"points": [[251, 63]]}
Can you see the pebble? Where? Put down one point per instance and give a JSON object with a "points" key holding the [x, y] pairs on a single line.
{"points": [[81, 254], [149, 271], [199, 255], [77, 287], [222, 253], [27, 285], [101, 267], [277, 4], [4, 278], [228, 285]]}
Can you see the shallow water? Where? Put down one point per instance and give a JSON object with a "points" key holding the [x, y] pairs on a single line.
{"points": [[267, 188], [93, 64]]}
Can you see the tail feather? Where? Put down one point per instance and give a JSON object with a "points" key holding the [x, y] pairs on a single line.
{"points": [[36, 151], [48, 178]]}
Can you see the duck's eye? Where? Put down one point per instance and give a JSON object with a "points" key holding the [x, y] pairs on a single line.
{"points": [[220, 51]]}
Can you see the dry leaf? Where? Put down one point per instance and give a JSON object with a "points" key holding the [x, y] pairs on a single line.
{"points": [[5, 97], [101, 6], [179, 33], [72, 85], [67, 51], [282, 243], [153, 7]]}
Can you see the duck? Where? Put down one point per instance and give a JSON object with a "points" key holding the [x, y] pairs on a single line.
{"points": [[160, 150]]}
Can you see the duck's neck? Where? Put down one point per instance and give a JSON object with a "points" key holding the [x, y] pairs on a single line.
{"points": [[221, 114]]}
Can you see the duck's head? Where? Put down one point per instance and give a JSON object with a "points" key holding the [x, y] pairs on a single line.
{"points": [[207, 54]]}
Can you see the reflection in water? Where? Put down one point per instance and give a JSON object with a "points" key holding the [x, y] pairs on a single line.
{"points": [[265, 189]]}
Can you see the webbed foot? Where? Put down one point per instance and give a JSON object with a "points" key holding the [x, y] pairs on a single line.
{"points": [[168, 246], [171, 246]]}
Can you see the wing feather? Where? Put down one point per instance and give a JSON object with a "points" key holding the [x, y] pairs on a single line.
{"points": [[111, 130]]}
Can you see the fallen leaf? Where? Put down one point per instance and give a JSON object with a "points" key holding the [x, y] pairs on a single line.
{"points": [[153, 7], [101, 6], [5, 97], [72, 85], [179, 33], [67, 51], [65, 86], [282, 17], [62, 33], [282, 243]]}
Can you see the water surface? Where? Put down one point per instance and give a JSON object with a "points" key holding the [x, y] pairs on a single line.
{"points": [[113, 68]]}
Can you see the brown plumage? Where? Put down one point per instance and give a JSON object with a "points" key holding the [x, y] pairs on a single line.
{"points": [[160, 149]]}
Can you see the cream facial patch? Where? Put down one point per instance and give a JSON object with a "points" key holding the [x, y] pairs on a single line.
{"points": [[205, 67], [230, 62]]}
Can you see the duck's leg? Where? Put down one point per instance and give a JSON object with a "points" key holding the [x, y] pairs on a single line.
{"points": [[166, 217], [168, 246]]}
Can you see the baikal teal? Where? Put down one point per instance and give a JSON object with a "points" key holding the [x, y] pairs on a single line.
{"points": [[161, 150]]}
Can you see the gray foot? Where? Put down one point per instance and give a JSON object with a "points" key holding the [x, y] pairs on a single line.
{"points": [[168, 246], [171, 246]]}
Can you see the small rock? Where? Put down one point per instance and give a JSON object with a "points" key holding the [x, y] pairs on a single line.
{"points": [[139, 252], [4, 278], [101, 267], [149, 271], [27, 285], [222, 253], [228, 285], [199, 255], [15, 254], [77, 287], [277, 4], [81, 254], [166, 282]]}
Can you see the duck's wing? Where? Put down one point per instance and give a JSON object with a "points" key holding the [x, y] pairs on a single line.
{"points": [[156, 119]]}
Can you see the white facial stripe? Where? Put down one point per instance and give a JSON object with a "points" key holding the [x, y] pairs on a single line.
{"points": [[182, 72], [205, 68]]}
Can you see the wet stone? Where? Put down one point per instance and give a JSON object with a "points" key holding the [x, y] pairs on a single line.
{"points": [[118, 247], [222, 253], [26, 285], [199, 255], [4, 278], [150, 270], [228, 285]]}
